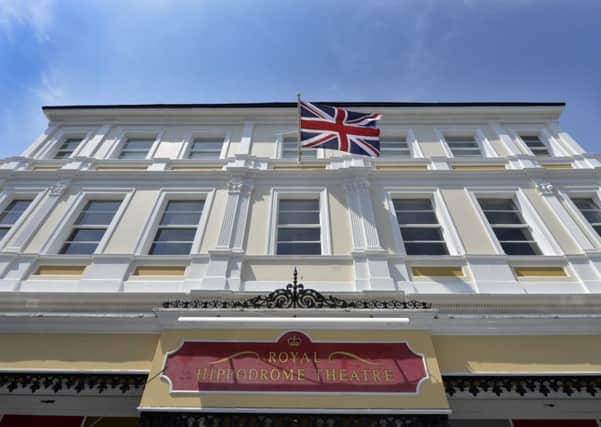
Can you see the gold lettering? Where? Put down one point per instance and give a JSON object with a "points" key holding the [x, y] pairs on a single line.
{"points": [[283, 357], [388, 375], [252, 371], [365, 377], [264, 374], [355, 376], [240, 373], [376, 376], [305, 358], [330, 375], [288, 375], [220, 372], [202, 374], [300, 374], [272, 375], [315, 358], [271, 358], [318, 370], [342, 375], [294, 354]]}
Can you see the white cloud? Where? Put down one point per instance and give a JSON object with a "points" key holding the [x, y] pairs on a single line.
{"points": [[37, 15], [48, 90]]}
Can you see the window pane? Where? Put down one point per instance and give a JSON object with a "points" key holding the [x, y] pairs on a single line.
{"points": [[86, 235], [426, 248], [79, 248], [503, 217], [299, 249], [93, 218], [299, 234], [465, 153], [585, 204], [70, 144], [185, 205], [138, 144], [520, 248], [175, 234], [62, 154], [410, 234], [298, 218], [204, 155], [207, 145], [170, 248], [412, 204], [180, 218], [598, 229], [103, 205], [132, 155], [513, 233], [592, 216], [299, 205], [9, 217], [423, 217], [3, 231], [497, 204]]}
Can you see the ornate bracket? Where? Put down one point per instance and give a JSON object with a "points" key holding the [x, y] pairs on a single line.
{"points": [[294, 295]]}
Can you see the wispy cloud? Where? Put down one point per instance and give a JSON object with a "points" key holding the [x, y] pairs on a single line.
{"points": [[36, 15], [48, 90]]}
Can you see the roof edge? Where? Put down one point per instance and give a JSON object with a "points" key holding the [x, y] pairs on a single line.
{"points": [[293, 105]]}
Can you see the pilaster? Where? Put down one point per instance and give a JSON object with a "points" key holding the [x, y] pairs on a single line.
{"points": [[225, 262], [370, 260]]}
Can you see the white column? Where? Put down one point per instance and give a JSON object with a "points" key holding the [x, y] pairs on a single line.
{"points": [[225, 261], [370, 260], [245, 141]]}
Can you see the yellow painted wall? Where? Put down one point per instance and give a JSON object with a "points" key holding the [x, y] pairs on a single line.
{"points": [[432, 396], [518, 354], [321, 270], [76, 352]]}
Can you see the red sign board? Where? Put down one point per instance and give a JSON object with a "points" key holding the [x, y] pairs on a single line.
{"points": [[294, 363]]}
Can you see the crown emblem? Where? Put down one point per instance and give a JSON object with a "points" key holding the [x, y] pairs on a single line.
{"points": [[294, 341]]}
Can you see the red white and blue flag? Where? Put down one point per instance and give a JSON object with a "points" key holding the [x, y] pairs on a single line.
{"points": [[335, 128]]}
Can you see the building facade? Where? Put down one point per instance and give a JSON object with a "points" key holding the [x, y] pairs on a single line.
{"points": [[145, 253]]}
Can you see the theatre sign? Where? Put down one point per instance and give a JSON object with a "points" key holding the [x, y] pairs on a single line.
{"points": [[295, 363]]}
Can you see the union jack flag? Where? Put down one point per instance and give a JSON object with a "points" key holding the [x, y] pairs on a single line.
{"points": [[335, 128]]}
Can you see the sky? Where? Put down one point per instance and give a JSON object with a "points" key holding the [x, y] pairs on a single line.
{"points": [[57, 52]]}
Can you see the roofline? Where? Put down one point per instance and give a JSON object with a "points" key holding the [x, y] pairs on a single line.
{"points": [[293, 105]]}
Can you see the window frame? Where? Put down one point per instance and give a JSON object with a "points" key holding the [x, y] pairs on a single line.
{"points": [[540, 232], [486, 148], [279, 149], [205, 133], [10, 194], [152, 223], [50, 148], [281, 193], [394, 137], [449, 231], [135, 133], [553, 146], [584, 224], [65, 227]]}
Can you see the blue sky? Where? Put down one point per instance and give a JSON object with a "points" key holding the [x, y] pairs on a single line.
{"points": [[56, 52]]}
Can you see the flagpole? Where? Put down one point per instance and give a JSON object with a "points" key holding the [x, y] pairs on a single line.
{"points": [[298, 112]]}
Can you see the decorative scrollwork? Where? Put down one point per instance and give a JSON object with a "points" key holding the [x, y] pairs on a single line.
{"points": [[55, 382], [523, 385], [294, 295]]}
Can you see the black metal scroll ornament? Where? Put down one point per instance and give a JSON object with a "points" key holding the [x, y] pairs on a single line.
{"points": [[294, 295]]}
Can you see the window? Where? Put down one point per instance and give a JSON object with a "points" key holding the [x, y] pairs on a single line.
{"points": [[299, 231], [512, 232], [394, 147], [421, 232], [535, 145], [67, 148], [290, 149], [90, 226], [591, 211], [463, 146], [177, 228], [205, 148], [11, 214], [136, 148]]}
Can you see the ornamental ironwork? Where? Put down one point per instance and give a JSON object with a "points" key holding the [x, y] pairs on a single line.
{"points": [[56, 382], [295, 295], [523, 385], [154, 419]]}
